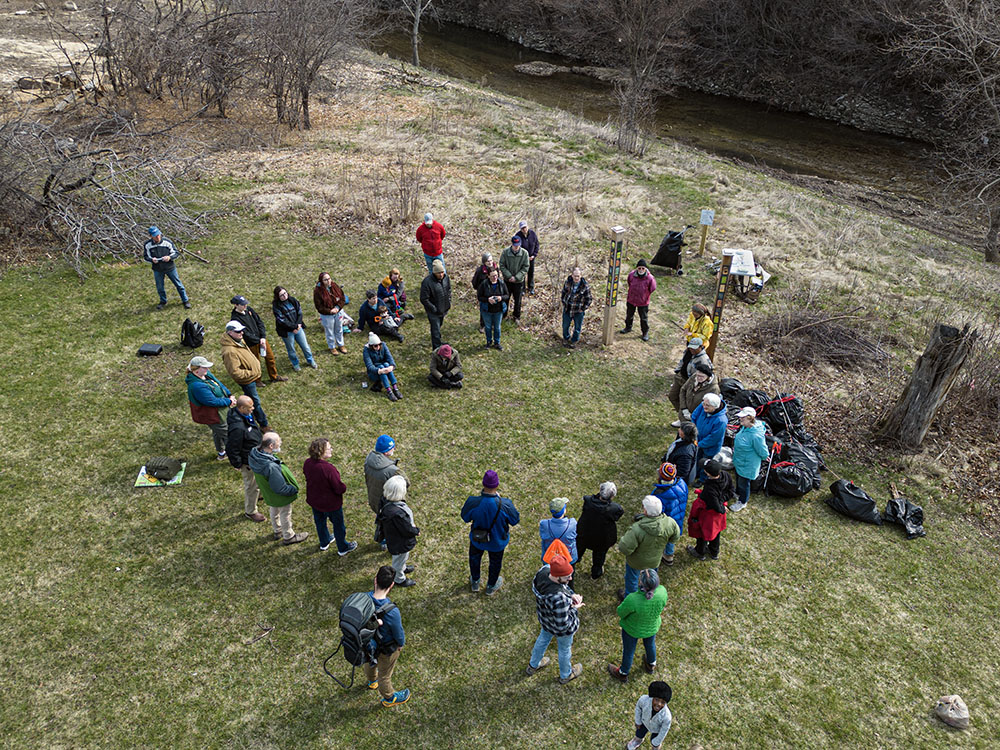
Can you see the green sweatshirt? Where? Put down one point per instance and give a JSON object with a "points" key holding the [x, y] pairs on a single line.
{"points": [[643, 543], [639, 616]]}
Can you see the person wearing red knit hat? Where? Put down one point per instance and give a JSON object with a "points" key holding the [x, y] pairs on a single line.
{"points": [[557, 607]]}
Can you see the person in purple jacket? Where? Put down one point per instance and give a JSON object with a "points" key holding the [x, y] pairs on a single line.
{"points": [[325, 495], [641, 286]]}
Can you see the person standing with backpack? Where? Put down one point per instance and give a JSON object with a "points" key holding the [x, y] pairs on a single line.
{"points": [[558, 527], [491, 517], [388, 642]]}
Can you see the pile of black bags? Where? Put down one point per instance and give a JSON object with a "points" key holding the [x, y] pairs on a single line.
{"points": [[854, 502]]}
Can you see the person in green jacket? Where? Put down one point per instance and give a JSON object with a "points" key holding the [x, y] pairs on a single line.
{"points": [[514, 264], [277, 486], [639, 545], [639, 616]]}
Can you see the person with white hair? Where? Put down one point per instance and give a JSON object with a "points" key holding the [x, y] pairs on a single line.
{"points": [[749, 451], [381, 367], [395, 519], [430, 235], [711, 419], [644, 542], [482, 273], [597, 527]]}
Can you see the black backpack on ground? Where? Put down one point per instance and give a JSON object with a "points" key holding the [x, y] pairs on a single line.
{"points": [[192, 333], [163, 468], [358, 626]]}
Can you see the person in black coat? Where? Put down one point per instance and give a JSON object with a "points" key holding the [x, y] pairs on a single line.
{"points": [[243, 435], [493, 296], [681, 452], [597, 527], [395, 519], [290, 326], [435, 296]]}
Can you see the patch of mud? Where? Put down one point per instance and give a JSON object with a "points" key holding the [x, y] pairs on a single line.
{"points": [[275, 204]]}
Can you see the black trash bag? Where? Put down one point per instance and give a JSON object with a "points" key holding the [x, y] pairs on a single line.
{"points": [[800, 455], [788, 480], [853, 501], [901, 511], [756, 399], [784, 411], [729, 387], [806, 438]]}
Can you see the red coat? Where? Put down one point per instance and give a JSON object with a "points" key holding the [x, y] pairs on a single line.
{"points": [[324, 488], [704, 523], [430, 238], [640, 288]]}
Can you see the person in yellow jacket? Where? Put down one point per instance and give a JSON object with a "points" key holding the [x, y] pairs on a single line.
{"points": [[243, 366], [699, 323]]}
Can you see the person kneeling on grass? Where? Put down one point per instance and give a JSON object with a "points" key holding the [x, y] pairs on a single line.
{"points": [[652, 716], [557, 606], [446, 370], [381, 367], [639, 617], [388, 642], [708, 511]]}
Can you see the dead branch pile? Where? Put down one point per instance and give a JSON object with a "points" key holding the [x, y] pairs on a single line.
{"points": [[800, 337]]}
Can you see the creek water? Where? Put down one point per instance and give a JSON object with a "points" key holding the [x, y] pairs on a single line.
{"points": [[725, 126]]}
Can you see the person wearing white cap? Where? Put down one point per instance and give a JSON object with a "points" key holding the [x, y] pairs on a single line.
{"points": [[644, 542], [381, 367], [243, 366], [206, 395], [749, 451], [430, 235], [529, 242], [161, 253]]}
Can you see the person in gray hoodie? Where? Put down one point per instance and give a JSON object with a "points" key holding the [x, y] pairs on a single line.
{"points": [[278, 487], [379, 466]]}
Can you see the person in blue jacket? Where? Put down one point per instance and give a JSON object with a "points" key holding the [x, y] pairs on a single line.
{"points": [[388, 641], [672, 491], [493, 514], [381, 367], [559, 527], [749, 451], [711, 419]]}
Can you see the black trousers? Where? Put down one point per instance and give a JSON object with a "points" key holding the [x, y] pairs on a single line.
{"points": [[515, 288], [435, 322], [476, 559], [643, 316], [600, 555], [713, 546], [531, 275]]}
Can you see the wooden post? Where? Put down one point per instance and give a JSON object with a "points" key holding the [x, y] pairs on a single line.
{"points": [[707, 219], [720, 300], [933, 375], [611, 296]]}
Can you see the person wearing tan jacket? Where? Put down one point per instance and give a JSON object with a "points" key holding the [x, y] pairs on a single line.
{"points": [[243, 366]]}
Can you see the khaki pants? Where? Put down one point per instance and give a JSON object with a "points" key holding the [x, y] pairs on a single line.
{"points": [[272, 367], [251, 493], [281, 520], [675, 392], [382, 671]]}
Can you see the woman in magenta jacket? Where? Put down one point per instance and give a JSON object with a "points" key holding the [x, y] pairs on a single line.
{"points": [[641, 286], [325, 495]]}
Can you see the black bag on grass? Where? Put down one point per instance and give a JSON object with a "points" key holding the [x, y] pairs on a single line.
{"points": [[358, 626], [163, 468], [784, 411], [730, 387], [800, 455], [807, 440], [853, 501], [192, 334], [756, 399], [788, 480], [901, 511]]}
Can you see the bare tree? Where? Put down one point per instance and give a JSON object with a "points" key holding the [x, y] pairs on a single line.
{"points": [[416, 9]]}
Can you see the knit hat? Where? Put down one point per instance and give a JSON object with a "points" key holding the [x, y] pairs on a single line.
{"points": [[668, 472], [747, 411], [373, 339], [557, 506], [649, 580], [437, 266], [234, 325], [384, 444], [491, 480], [608, 490], [661, 690], [197, 362], [153, 231], [704, 368], [559, 567], [239, 299], [515, 240], [713, 399], [641, 263], [445, 351], [522, 224], [652, 505], [695, 343], [428, 218], [713, 467]]}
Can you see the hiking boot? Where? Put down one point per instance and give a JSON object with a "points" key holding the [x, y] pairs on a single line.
{"points": [[278, 379], [399, 395], [390, 395], [498, 347], [694, 553], [474, 585], [616, 672], [342, 349], [574, 673], [300, 537], [491, 590], [187, 304], [406, 583], [351, 546], [650, 668], [645, 337], [625, 330], [667, 559], [255, 517], [530, 670], [161, 305], [409, 569], [334, 351], [595, 574], [398, 698]]}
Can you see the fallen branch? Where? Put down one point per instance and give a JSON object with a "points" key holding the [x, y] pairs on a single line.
{"points": [[185, 251], [820, 322]]}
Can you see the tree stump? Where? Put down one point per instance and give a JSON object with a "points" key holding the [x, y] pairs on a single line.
{"points": [[933, 375]]}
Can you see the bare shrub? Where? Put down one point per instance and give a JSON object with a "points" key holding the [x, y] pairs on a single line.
{"points": [[408, 180], [537, 169]]}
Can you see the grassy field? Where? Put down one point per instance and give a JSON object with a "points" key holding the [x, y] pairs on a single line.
{"points": [[128, 613]]}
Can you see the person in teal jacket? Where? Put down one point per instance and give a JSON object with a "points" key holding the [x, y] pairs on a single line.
{"points": [[749, 451], [206, 396], [639, 616]]}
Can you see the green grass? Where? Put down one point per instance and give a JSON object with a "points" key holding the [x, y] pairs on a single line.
{"points": [[127, 613]]}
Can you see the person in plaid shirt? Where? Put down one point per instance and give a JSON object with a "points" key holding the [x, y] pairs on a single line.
{"points": [[557, 609], [576, 298]]}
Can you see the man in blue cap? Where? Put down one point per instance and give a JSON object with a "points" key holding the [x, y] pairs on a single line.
{"points": [[379, 466], [161, 252]]}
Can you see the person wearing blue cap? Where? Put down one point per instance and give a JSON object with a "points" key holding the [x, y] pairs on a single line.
{"points": [[379, 467], [161, 253]]}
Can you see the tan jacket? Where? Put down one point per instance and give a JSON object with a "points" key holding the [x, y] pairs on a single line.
{"points": [[692, 393], [241, 363]]}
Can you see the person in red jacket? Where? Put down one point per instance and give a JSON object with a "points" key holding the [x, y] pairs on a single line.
{"points": [[325, 495], [708, 512], [641, 286], [429, 235]]}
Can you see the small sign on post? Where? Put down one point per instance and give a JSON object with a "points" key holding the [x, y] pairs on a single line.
{"points": [[720, 300], [707, 220], [614, 273]]}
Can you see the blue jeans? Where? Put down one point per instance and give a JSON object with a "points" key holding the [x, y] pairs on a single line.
{"points": [[631, 579], [628, 650], [492, 324], [429, 259], [336, 517], [290, 340], [250, 389], [161, 290], [333, 329], [385, 378], [577, 320], [669, 549], [742, 488], [564, 644], [435, 321]]}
